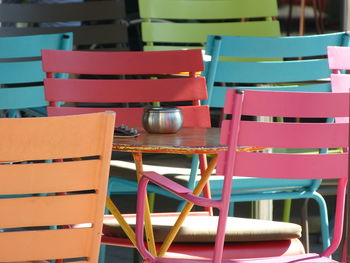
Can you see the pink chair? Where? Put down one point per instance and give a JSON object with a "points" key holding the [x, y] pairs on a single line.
{"points": [[339, 62], [237, 132]]}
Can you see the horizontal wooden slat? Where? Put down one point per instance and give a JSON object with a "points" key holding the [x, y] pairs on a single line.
{"points": [[48, 177], [17, 98], [220, 91], [340, 82], [194, 116], [21, 72], [312, 45], [45, 244], [83, 35], [104, 91], [292, 104], [334, 53], [164, 32], [219, 9], [265, 72], [47, 210], [92, 10], [136, 62], [30, 46], [57, 137], [292, 135], [296, 166]]}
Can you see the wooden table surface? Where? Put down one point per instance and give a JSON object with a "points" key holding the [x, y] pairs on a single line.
{"points": [[185, 141]]}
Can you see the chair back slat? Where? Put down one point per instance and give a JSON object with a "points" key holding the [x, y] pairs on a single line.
{"points": [[95, 24], [292, 104], [297, 166], [19, 98], [291, 135], [62, 243], [265, 72], [82, 90], [183, 32], [220, 92], [254, 47], [194, 116], [48, 210], [123, 63], [221, 9], [48, 177], [338, 58], [81, 143]]}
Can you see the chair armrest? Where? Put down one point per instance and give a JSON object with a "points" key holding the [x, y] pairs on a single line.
{"points": [[166, 183]]}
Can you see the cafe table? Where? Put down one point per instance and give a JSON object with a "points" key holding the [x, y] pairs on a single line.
{"points": [[185, 141]]}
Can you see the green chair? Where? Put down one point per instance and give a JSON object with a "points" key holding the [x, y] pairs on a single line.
{"points": [[184, 24]]}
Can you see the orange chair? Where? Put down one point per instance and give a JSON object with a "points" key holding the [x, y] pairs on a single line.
{"points": [[43, 224]]}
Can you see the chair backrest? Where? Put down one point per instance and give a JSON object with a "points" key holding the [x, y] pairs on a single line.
{"points": [[40, 226], [21, 74], [146, 77], [338, 58], [185, 24], [237, 132], [285, 63], [95, 24]]}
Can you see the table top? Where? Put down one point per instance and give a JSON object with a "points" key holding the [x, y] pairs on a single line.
{"points": [[185, 141]]}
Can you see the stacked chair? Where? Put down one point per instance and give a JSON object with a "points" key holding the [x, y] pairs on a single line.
{"points": [[21, 75], [237, 132], [178, 88], [43, 224], [96, 24]]}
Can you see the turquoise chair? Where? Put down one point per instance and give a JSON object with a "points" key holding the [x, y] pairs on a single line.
{"points": [[275, 65], [21, 75]]}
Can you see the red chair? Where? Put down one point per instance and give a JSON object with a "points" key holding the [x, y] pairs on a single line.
{"points": [[237, 132]]}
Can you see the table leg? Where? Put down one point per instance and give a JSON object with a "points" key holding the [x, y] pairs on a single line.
{"points": [[148, 224], [123, 224], [201, 184]]}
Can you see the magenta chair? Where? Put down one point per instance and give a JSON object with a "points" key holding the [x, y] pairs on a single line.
{"points": [[339, 63], [236, 133]]}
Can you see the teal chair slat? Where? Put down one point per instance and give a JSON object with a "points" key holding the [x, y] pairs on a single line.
{"points": [[20, 67], [298, 64], [272, 72], [218, 9], [220, 92], [23, 46], [21, 72], [21, 98], [313, 45]]}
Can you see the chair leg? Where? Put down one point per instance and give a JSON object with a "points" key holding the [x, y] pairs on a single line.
{"points": [[324, 219], [302, 18], [286, 210], [102, 255], [305, 226]]}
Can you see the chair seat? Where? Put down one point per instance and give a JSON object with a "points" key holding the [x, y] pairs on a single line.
{"points": [[204, 230], [305, 258]]}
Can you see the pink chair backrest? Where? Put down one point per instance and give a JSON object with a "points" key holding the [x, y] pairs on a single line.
{"points": [[339, 61], [167, 85], [237, 132]]}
